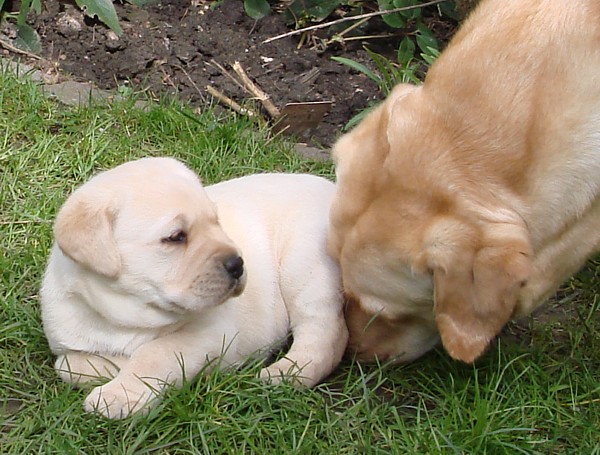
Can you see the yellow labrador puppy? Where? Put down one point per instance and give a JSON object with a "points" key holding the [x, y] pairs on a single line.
{"points": [[153, 276], [465, 202]]}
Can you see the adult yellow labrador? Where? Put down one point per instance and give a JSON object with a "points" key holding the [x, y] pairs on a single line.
{"points": [[464, 202], [153, 277]]}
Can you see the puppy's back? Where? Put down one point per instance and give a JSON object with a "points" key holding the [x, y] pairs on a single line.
{"points": [[281, 198]]}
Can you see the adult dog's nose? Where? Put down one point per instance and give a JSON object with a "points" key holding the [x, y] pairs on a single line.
{"points": [[234, 265]]}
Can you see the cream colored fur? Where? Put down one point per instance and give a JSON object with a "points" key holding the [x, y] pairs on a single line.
{"points": [[144, 285], [465, 202]]}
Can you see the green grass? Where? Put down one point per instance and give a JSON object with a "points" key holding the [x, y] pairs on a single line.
{"points": [[535, 392]]}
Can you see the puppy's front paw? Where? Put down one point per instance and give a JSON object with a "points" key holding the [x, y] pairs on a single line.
{"points": [[81, 368], [284, 370], [116, 400]]}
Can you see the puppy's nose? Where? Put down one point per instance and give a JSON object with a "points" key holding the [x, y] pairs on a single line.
{"points": [[234, 265]]}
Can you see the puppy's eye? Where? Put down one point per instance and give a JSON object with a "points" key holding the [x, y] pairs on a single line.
{"points": [[176, 237]]}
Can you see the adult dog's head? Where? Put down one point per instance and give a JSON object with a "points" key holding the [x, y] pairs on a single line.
{"points": [[147, 229], [465, 201], [421, 256]]}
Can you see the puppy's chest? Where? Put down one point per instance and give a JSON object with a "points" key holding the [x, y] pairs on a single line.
{"points": [[95, 335]]}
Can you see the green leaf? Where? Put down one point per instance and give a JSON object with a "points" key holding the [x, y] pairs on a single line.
{"points": [[357, 118], [1, 4], [28, 39], [141, 3], [430, 55], [448, 9], [257, 9], [425, 38], [23, 10], [385, 4], [411, 13], [26, 6], [387, 71], [321, 10], [358, 67], [406, 50], [394, 19], [315, 10], [36, 5], [104, 10]]}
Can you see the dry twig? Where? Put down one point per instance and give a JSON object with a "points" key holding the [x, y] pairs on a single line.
{"points": [[256, 91], [182, 69], [221, 68], [246, 84], [229, 102], [16, 50]]}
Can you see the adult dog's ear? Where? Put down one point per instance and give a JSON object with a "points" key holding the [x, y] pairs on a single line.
{"points": [[84, 232], [369, 139], [477, 277], [358, 156]]}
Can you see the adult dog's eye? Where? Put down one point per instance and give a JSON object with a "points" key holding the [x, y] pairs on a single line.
{"points": [[176, 237]]}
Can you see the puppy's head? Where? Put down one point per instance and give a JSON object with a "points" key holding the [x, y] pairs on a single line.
{"points": [[149, 229], [419, 258]]}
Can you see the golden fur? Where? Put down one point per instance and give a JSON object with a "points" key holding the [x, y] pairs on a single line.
{"points": [[465, 202]]}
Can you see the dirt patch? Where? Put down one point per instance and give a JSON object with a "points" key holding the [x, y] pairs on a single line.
{"points": [[179, 47]]}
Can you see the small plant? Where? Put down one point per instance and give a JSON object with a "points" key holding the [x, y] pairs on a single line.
{"points": [[103, 10], [408, 67], [417, 49], [399, 19], [257, 9], [388, 73], [302, 10], [314, 11], [26, 37]]}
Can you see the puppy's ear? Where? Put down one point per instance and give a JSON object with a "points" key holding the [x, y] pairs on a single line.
{"points": [[477, 278], [83, 231]]}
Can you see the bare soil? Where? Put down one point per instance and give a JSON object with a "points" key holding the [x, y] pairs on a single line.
{"points": [[180, 47]]}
